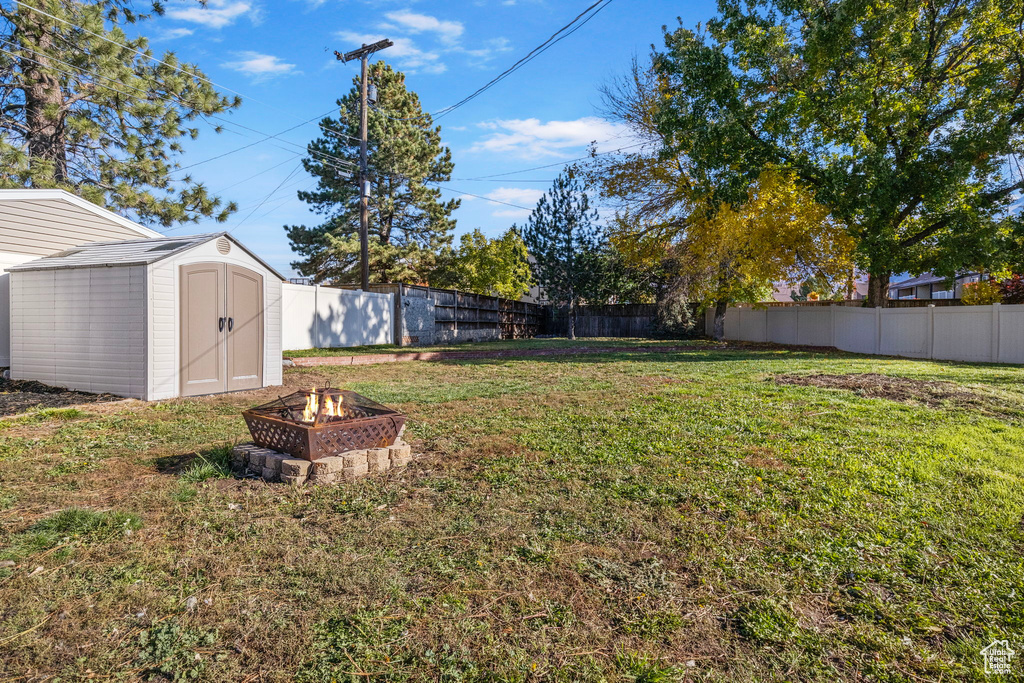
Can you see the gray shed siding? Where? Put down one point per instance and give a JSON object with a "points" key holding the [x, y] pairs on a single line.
{"points": [[84, 329], [6, 261]]}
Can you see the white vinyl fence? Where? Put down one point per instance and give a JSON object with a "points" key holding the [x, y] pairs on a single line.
{"points": [[985, 334], [315, 317]]}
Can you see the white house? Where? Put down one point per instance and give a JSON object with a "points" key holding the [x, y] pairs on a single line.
{"points": [[931, 286], [36, 223]]}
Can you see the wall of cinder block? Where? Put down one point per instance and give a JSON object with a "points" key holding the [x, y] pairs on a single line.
{"points": [[273, 466]]}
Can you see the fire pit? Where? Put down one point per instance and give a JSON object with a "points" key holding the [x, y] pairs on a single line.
{"points": [[323, 423]]}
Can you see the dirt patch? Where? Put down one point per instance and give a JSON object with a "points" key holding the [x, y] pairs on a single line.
{"points": [[19, 395], [872, 385]]}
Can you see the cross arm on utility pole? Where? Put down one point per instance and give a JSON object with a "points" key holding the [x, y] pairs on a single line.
{"points": [[362, 54], [364, 51]]}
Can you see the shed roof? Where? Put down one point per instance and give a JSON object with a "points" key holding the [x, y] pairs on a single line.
{"points": [[127, 253], [925, 279]]}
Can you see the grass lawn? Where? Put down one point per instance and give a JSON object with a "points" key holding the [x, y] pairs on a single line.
{"points": [[558, 343], [617, 517]]}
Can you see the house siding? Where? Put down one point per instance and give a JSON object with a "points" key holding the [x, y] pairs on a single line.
{"points": [[45, 226], [83, 329]]}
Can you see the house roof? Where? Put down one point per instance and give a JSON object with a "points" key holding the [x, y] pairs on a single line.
{"points": [[64, 195], [127, 253], [925, 279]]}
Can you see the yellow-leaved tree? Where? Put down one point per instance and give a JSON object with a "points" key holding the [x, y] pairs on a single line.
{"points": [[712, 254]]}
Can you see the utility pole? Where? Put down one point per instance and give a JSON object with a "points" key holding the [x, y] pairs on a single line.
{"points": [[363, 54]]}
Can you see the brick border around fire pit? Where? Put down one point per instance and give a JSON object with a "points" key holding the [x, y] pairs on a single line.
{"points": [[272, 466]]}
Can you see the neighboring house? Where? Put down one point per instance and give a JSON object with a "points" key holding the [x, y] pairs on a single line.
{"points": [[784, 292], [931, 286], [36, 223]]}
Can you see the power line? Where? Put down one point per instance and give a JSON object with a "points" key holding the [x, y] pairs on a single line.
{"points": [[256, 175], [179, 68], [537, 51], [264, 200], [267, 136], [478, 196], [557, 163], [498, 180], [577, 23]]}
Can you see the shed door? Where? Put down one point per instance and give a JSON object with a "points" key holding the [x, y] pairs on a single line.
{"points": [[245, 329], [221, 329], [202, 347]]}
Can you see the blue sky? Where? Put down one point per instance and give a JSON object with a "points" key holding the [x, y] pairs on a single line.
{"points": [[279, 56]]}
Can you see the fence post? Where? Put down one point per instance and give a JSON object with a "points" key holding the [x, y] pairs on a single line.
{"points": [[832, 325], [931, 330], [878, 330], [995, 332], [316, 317]]}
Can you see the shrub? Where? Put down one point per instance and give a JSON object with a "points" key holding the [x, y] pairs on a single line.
{"points": [[982, 293], [1013, 290], [676, 316]]}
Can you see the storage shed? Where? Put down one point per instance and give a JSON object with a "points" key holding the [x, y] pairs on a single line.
{"points": [[148, 318], [36, 223]]}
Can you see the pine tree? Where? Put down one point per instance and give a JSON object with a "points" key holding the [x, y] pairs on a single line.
{"points": [[567, 247], [409, 224], [82, 110]]}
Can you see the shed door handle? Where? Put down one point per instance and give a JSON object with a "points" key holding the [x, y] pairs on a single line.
{"points": [[220, 324], [231, 324]]}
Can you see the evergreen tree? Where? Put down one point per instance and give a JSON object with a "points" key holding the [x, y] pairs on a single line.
{"points": [[567, 247], [409, 224], [82, 110]]}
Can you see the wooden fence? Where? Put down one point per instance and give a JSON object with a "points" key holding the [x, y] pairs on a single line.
{"points": [[616, 320], [465, 316]]}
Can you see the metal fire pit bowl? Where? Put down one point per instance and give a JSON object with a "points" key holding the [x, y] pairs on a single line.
{"points": [[360, 423]]}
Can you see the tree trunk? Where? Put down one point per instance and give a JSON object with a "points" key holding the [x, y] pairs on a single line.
{"points": [[878, 289], [849, 285], [718, 331], [572, 317], [44, 101]]}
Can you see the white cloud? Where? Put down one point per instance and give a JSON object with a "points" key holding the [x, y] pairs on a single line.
{"points": [[523, 196], [404, 52], [171, 34], [410, 22], [260, 65], [215, 14], [493, 47], [533, 139]]}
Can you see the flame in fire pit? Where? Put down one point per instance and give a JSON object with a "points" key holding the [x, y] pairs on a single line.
{"points": [[312, 406], [331, 409]]}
